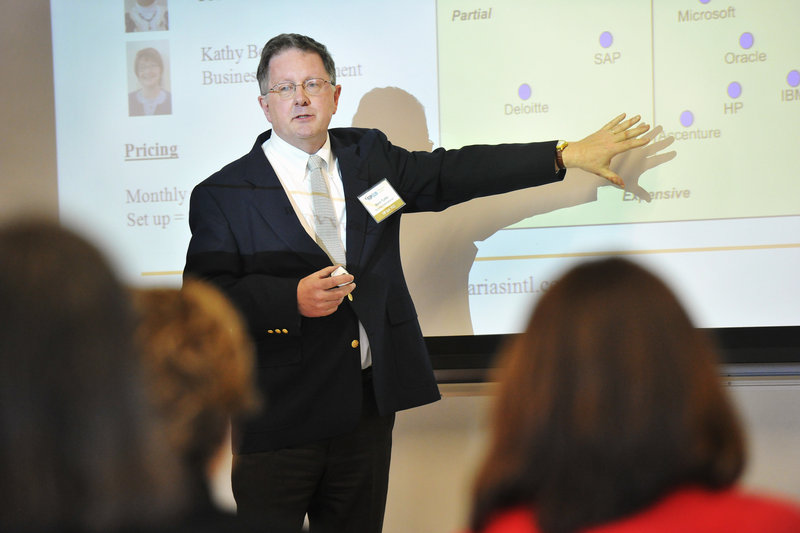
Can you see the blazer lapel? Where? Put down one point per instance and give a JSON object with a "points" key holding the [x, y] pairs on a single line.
{"points": [[350, 167], [270, 202]]}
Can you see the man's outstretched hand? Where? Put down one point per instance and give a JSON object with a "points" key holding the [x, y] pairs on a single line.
{"points": [[594, 153]]}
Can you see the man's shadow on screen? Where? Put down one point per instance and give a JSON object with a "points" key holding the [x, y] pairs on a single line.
{"points": [[438, 249]]}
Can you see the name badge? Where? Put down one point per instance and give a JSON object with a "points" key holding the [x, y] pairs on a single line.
{"points": [[381, 200]]}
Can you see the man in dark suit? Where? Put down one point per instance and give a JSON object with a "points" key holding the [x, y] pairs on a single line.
{"points": [[339, 354]]}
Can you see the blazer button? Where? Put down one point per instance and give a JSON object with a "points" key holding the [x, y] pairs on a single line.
{"points": [[285, 331], [270, 331], [354, 344]]}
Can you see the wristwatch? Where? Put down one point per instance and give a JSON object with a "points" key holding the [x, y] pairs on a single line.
{"points": [[559, 157]]}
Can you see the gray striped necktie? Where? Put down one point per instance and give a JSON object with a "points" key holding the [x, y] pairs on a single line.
{"points": [[326, 225]]}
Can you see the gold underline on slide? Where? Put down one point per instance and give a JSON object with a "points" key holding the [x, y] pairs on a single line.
{"points": [[589, 254], [163, 273], [644, 252], [151, 158]]}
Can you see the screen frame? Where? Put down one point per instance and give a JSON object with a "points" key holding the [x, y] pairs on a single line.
{"points": [[746, 351], [30, 186]]}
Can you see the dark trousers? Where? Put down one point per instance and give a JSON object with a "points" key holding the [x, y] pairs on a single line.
{"points": [[341, 482]]}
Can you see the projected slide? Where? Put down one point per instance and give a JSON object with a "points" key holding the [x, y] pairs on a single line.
{"points": [[710, 77], [150, 102], [125, 175]]}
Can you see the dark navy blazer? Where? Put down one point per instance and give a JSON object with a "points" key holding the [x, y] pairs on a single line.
{"points": [[247, 239]]}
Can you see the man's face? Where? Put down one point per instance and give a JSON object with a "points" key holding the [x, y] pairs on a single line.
{"points": [[301, 120]]}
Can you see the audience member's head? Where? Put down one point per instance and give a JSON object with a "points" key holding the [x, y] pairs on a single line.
{"points": [[199, 360], [78, 447], [609, 400]]}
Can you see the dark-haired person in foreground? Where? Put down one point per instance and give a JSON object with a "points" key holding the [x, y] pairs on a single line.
{"points": [[79, 448], [611, 418], [339, 355]]}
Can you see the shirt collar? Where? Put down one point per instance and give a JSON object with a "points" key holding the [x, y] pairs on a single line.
{"points": [[295, 156]]}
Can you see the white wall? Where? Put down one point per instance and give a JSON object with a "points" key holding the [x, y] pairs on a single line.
{"points": [[27, 135], [770, 410], [437, 448]]}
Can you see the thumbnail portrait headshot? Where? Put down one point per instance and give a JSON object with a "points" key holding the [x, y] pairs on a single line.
{"points": [[148, 78], [146, 15]]}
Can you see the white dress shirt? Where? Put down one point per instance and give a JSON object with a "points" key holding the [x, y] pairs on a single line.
{"points": [[290, 164]]}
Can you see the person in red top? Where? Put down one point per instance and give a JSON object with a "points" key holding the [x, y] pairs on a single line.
{"points": [[611, 418]]}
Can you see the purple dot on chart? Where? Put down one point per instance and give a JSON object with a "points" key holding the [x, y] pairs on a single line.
{"points": [[687, 118], [606, 39], [746, 40], [735, 89], [704, 1], [524, 91], [793, 79]]}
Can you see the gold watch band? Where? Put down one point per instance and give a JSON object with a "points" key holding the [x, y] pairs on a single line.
{"points": [[559, 156]]}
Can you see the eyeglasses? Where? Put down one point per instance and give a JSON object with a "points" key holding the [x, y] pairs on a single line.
{"points": [[312, 87]]}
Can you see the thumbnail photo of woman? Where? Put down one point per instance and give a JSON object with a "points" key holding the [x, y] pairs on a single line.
{"points": [[151, 98]]}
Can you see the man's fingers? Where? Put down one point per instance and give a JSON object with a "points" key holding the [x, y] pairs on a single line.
{"points": [[631, 121], [343, 279], [623, 127], [337, 293], [325, 272], [319, 294], [638, 130], [629, 138], [323, 280], [635, 143], [328, 301], [614, 121]]}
